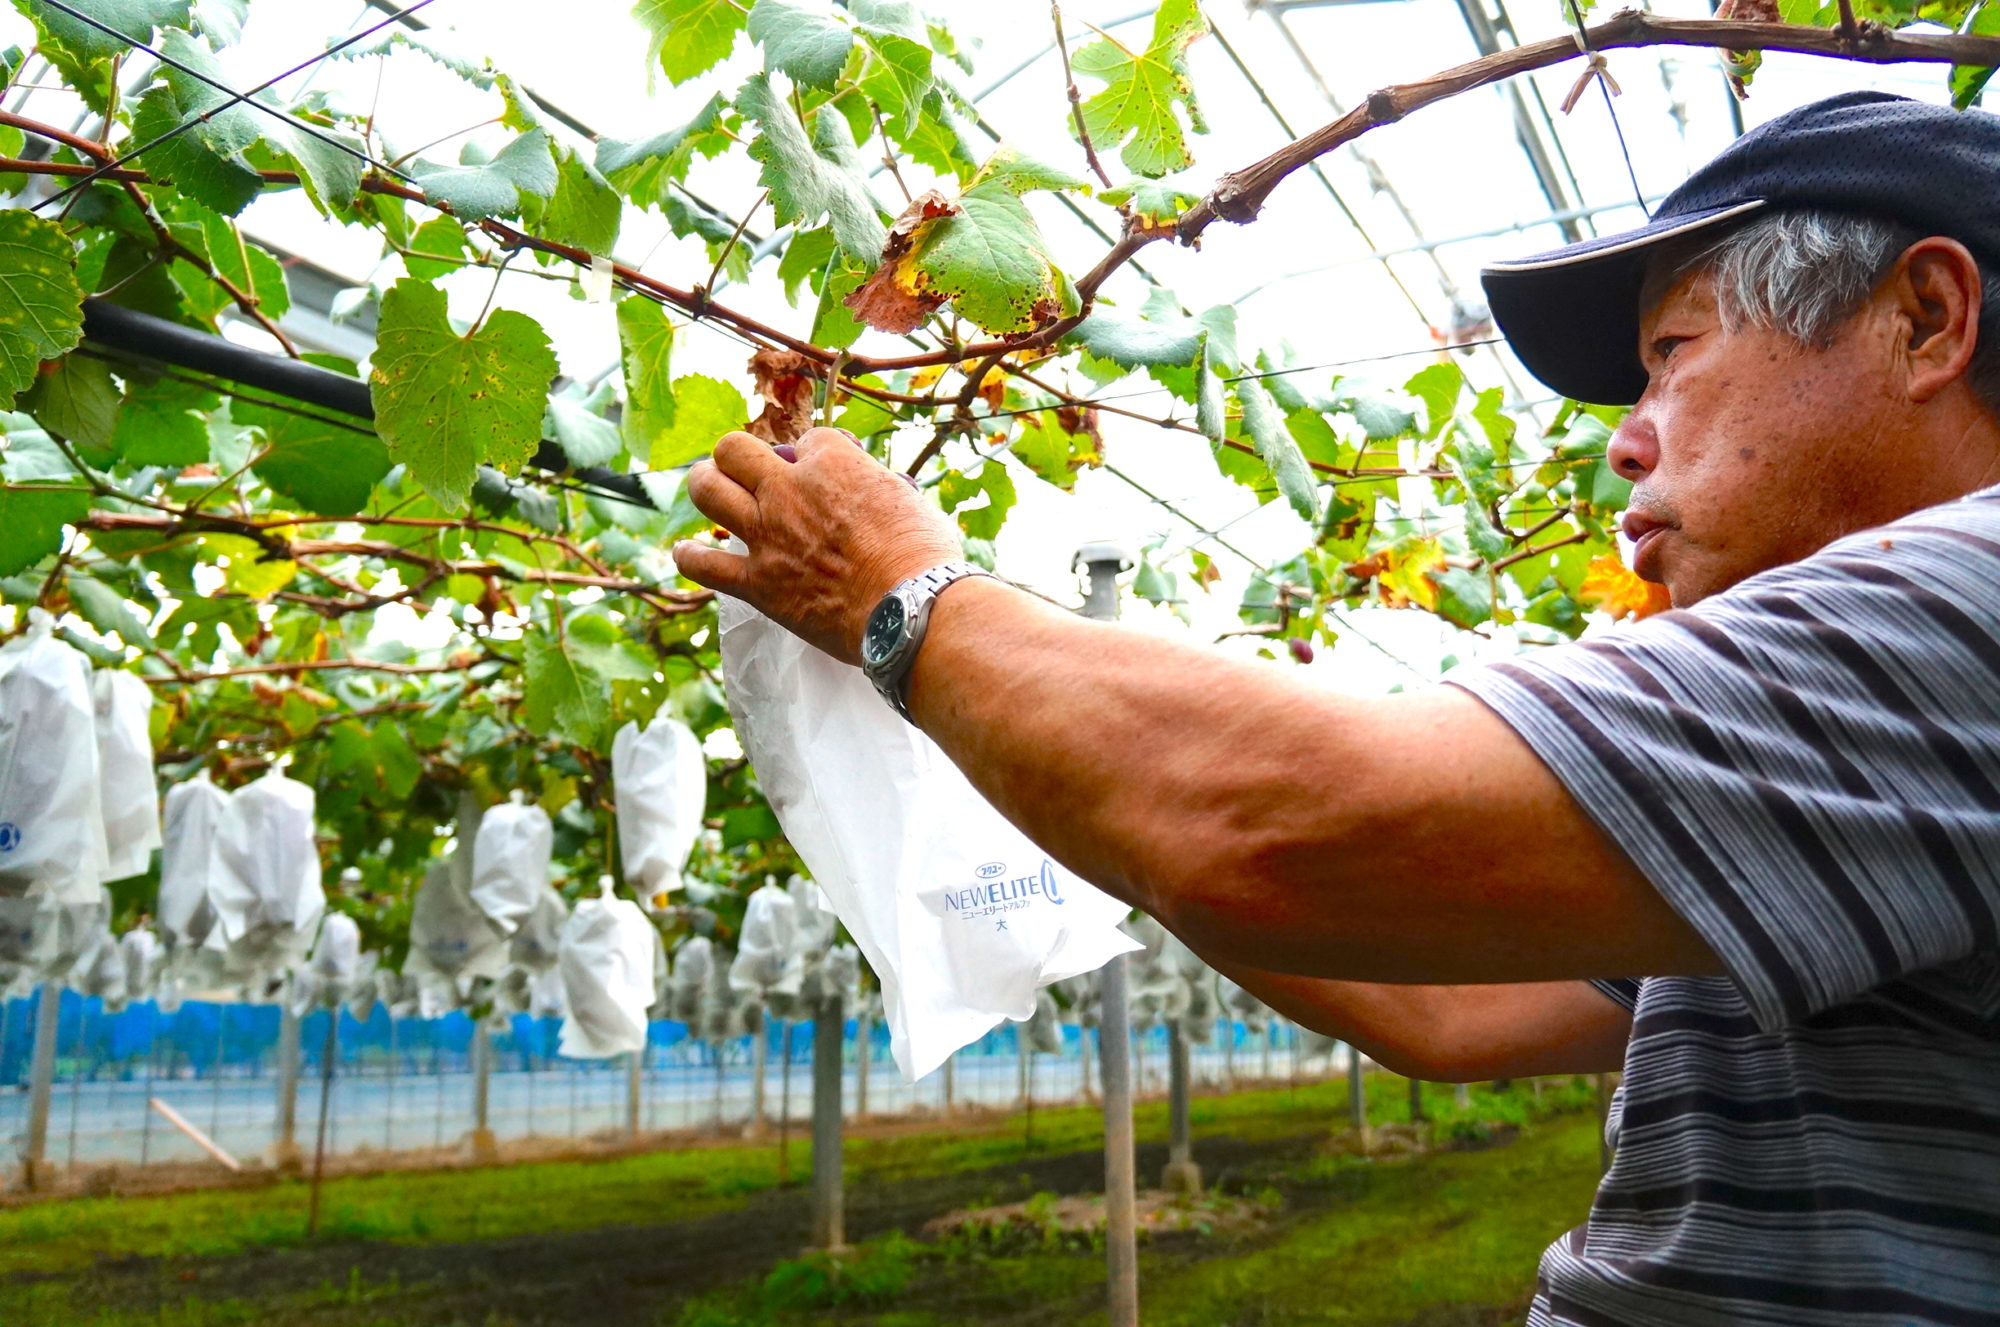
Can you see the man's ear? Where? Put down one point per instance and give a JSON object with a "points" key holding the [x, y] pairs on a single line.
{"points": [[1937, 285]]}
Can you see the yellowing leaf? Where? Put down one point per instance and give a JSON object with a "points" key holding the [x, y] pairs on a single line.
{"points": [[1610, 585], [1142, 88], [244, 568]]}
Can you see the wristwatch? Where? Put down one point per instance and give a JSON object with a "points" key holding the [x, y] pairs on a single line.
{"points": [[895, 629]]}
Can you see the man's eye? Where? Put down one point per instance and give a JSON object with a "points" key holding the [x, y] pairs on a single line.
{"points": [[1664, 347]]}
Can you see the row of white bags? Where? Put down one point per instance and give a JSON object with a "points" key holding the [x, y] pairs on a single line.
{"points": [[78, 806], [240, 873]]}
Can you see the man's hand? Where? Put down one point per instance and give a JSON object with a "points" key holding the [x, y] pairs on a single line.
{"points": [[828, 535]]}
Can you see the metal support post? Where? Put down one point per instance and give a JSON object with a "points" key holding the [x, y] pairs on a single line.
{"points": [[41, 1085], [1105, 561], [1181, 1174], [285, 1154], [485, 1150], [829, 1222]]}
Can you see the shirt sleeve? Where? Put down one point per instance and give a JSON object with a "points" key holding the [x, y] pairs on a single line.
{"points": [[1621, 991], [1807, 767]]}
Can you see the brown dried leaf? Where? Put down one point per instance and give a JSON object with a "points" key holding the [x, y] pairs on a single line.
{"points": [[786, 381], [889, 301]]}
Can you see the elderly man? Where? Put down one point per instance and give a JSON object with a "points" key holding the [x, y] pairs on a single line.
{"points": [[1748, 850]]}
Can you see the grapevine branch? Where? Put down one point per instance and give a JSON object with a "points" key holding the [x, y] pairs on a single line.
{"points": [[1237, 197], [276, 547]]}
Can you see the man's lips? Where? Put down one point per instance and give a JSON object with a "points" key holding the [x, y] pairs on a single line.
{"points": [[1645, 533]]}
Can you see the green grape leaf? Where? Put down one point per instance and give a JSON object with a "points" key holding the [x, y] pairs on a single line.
{"points": [[561, 694], [643, 169], [330, 175], [704, 409], [982, 253], [1142, 89], [1010, 170], [477, 190], [1210, 415], [937, 139], [1968, 82], [1278, 448], [689, 37], [32, 521], [805, 40], [995, 483], [896, 77], [324, 466], [1058, 443], [221, 20], [1154, 205], [107, 609], [41, 305], [1139, 343], [77, 401], [1381, 420], [436, 249], [134, 18], [161, 423], [245, 266], [1438, 387], [445, 403], [584, 210], [804, 259], [222, 182], [646, 356], [811, 177], [587, 437]]}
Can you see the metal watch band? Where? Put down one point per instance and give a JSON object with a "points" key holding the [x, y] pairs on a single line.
{"points": [[917, 593]]}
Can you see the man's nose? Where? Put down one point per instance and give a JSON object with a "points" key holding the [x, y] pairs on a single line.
{"points": [[1634, 451]]}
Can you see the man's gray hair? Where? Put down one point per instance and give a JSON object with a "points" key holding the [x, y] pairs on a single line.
{"points": [[1803, 272]]}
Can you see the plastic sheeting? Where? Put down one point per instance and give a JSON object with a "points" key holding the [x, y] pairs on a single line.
{"points": [[961, 917], [661, 782]]}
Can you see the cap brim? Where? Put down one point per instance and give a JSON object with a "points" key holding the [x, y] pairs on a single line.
{"points": [[1572, 314]]}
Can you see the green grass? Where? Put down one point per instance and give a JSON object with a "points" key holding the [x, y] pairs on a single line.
{"points": [[1394, 1238], [455, 1206], [1446, 1238]]}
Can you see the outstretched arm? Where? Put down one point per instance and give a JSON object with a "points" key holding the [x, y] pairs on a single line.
{"points": [[1401, 839], [1457, 1034]]}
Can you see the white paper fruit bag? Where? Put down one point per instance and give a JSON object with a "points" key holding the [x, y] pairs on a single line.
{"points": [[51, 823], [961, 917], [661, 782]]}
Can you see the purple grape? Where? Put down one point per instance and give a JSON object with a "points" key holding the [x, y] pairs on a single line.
{"points": [[1302, 649], [787, 452]]}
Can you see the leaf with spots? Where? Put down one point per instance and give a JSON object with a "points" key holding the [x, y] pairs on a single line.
{"points": [[444, 403], [41, 305], [1146, 92], [981, 253]]}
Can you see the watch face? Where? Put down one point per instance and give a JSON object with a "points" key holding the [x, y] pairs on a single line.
{"points": [[885, 630]]}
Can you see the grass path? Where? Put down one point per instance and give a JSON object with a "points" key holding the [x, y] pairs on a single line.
{"points": [[636, 1240]]}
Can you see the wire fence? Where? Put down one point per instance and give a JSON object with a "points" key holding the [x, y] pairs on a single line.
{"points": [[400, 1085]]}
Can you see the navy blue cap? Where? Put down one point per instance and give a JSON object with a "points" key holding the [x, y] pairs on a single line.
{"points": [[1572, 315]]}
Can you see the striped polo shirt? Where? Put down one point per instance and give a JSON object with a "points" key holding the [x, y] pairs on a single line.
{"points": [[1807, 767]]}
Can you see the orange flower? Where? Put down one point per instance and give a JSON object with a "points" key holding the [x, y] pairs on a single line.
{"points": [[1612, 586]]}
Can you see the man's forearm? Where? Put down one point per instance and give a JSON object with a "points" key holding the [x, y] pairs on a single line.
{"points": [[1455, 1034], [1276, 824]]}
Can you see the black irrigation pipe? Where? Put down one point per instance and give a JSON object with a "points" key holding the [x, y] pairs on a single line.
{"points": [[133, 333]]}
